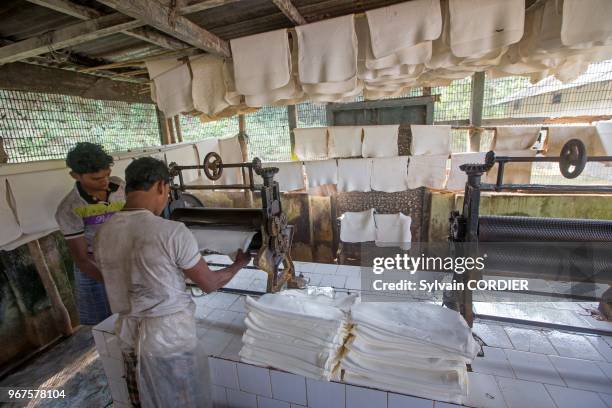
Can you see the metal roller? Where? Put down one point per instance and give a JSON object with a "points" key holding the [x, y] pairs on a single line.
{"points": [[493, 228]]}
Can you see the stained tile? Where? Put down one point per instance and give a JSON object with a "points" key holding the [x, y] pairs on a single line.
{"points": [[288, 387], [492, 335], [582, 374], [358, 397], [239, 399], [263, 402], [530, 340], [407, 401], [533, 367], [255, 380], [522, 394], [574, 345], [571, 398], [223, 373], [325, 394], [494, 362], [483, 392], [601, 346]]}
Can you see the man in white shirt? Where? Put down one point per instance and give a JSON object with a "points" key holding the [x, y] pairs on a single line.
{"points": [[144, 260]]}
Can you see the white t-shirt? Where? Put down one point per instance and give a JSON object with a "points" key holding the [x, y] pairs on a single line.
{"points": [[142, 258]]}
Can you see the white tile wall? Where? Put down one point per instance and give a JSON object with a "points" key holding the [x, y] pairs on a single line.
{"points": [[530, 340], [113, 368], [494, 362], [602, 347], [607, 369], [263, 402], [239, 399], [358, 397], [100, 342], [483, 392], [349, 270], [288, 387], [582, 374], [492, 335], [304, 266], [219, 396], [533, 367], [327, 269], [607, 398], [406, 401], [574, 345], [223, 373], [324, 394], [570, 398], [119, 391], [524, 394], [112, 346], [255, 380]]}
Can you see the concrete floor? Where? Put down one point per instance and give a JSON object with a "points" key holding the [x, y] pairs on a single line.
{"points": [[73, 365]]}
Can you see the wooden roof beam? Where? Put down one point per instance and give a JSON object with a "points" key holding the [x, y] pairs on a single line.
{"points": [[87, 13], [67, 37], [290, 11], [152, 13]]}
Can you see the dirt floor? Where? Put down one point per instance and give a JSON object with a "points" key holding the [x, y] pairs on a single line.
{"points": [[72, 365]]}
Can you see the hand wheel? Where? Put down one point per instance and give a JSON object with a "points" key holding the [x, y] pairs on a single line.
{"points": [[572, 159], [213, 166]]}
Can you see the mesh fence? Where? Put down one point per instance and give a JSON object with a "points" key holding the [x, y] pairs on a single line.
{"points": [[268, 134], [38, 126], [193, 129]]}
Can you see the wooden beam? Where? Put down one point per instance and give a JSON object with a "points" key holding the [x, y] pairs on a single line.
{"points": [[34, 78], [290, 11], [194, 6], [161, 17], [87, 13], [67, 37]]}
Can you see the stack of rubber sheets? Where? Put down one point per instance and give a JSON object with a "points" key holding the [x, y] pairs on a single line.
{"points": [[411, 348], [301, 332]]}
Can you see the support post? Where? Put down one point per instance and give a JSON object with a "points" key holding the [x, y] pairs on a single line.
{"points": [[292, 118], [60, 313], [476, 106], [3, 155], [162, 125], [244, 149], [171, 135], [177, 129]]}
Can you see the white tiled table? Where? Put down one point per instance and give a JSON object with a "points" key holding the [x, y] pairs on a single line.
{"points": [[523, 366]]}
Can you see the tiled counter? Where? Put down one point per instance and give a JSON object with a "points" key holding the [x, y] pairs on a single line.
{"points": [[522, 367]]}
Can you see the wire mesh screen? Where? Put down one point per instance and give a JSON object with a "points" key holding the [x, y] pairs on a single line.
{"points": [[193, 129], [37, 126], [454, 101], [515, 97], [268, 134], [311, 115]]}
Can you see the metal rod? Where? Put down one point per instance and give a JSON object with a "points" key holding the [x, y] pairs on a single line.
{"points": [[555, 326], [514, 159], [547, 188]]}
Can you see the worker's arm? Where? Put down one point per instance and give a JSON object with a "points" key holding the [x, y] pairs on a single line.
{"points": [[78, 250], [209, 280]]}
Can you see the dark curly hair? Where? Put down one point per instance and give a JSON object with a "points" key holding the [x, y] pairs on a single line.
{"points": [[141, 174], [88, 157]]}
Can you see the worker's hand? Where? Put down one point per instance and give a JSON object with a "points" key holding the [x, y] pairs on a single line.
{"points": [[242, 258]]}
